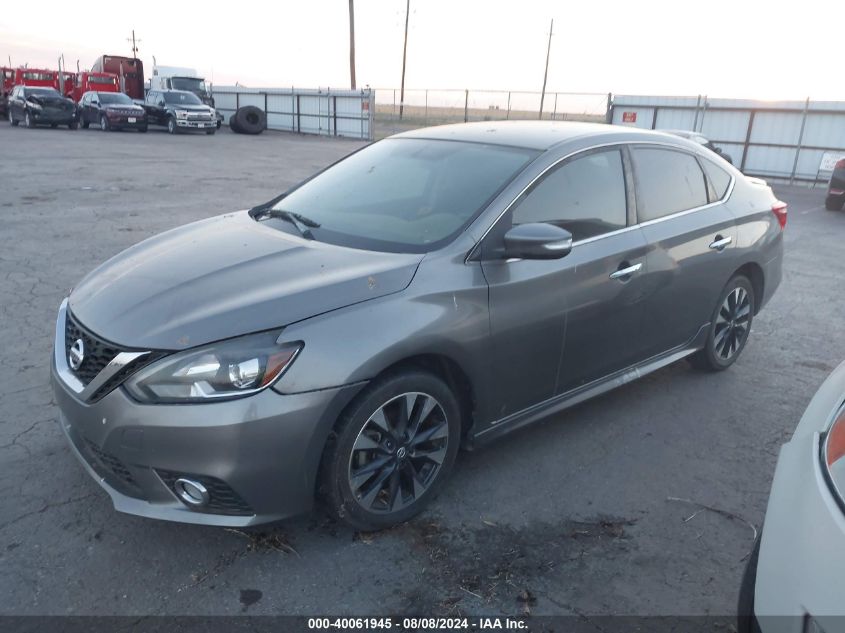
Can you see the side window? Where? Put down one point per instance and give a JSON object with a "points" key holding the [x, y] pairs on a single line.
{"points": [[585, 196], [151, 97], [86, 98], [719, 178], [667, 182]]}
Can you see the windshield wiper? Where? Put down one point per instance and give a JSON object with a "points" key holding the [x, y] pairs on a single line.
{"points": [[302, 224]]}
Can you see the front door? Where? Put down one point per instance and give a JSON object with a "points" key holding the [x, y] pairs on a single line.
{"points": [[557, 324]]}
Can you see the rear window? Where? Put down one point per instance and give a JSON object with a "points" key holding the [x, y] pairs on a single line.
{"points": [[667, 182], [719, 178]]}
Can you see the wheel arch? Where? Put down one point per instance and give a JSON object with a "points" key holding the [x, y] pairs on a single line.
{"points": [[754, 272]]}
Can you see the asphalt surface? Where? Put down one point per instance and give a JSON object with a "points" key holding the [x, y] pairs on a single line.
{"points": [[642, 501]]}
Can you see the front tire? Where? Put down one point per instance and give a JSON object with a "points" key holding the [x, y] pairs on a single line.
{"points": [[391, 451], [104, 123], [28, 120], [12, 121], [834, 203], [730, 326], [83, 123], [172, 128]]}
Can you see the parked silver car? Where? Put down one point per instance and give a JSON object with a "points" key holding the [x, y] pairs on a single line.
{"points": [[792, 582], [435, 289]]}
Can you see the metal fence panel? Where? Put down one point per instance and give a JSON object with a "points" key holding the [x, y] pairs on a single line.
{"points": [[324, 112], [782, 139]]}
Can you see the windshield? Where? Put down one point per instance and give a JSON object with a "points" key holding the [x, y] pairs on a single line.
{"points": [[93, 79], [114, 97], [42, 92], [184, 98], [405, 195], [188, 83]]}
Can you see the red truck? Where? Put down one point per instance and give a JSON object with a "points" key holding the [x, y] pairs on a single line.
{"points": [[36, 77], [129, 71], [86, 81]]}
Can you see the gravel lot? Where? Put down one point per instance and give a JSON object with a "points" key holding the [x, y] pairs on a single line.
{"points": [[575, 515]]}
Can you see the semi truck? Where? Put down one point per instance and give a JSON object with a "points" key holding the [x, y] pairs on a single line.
{"points": [[7, 82], [93, 81], [129, 71], [180, 78]]}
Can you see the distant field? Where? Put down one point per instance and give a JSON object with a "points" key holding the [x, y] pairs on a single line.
{"points": [[387, 119]]}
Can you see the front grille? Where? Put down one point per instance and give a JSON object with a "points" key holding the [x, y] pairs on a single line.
{"points": [[111, 463], [199, 117], [98, 353], [222, 499]]}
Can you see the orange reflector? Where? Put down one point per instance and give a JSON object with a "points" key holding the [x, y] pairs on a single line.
{"points": [[836, 440], [276, 363]]}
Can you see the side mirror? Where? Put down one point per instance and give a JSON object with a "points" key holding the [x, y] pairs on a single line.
{"points": [[160, 104], [537, 241]]}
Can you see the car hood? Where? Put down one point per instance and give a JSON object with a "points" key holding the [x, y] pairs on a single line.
{"points": [[123, 106], [224, 277], [50, 101], [196, 107]]}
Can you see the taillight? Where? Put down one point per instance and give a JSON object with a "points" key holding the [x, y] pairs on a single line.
{"points": [[840, 164], [779, 209], [835, 445]]}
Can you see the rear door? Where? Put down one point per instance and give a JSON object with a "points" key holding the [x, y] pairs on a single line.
{"points": [[560, 323], [691, 236]]}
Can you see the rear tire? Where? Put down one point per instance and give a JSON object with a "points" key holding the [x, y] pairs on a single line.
{"points": [[730, 326], [391, 450], [834, 203], [53, 126], [142, 130], [210, 131], [73, 125]]}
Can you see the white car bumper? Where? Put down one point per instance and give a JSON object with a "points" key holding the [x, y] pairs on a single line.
{"points": [[799, 587]]}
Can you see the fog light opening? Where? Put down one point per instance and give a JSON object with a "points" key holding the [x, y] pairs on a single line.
{"points": [[192, 493]]}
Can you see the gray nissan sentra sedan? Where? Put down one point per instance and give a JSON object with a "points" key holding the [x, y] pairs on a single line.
{"points": [[435, 289]]}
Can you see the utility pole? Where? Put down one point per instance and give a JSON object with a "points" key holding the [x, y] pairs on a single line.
{"points": [[404, 57], [546, 73], [352, 42], [134, 44]]}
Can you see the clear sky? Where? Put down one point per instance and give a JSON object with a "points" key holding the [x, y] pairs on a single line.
{"points": [[722, 48]]}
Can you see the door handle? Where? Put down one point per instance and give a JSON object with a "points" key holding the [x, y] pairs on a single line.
{"points": [[626, 272], [720, 242]]}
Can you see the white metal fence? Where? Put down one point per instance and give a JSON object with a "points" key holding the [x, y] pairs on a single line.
{"points": [[785, 140], [326, 112]]}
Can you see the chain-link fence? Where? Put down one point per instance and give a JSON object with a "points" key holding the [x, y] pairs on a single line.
{"points": [[426, 107]]}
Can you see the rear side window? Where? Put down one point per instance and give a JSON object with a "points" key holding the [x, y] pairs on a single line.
{"points": [[667, 182], [585, 196], [719, 178]]}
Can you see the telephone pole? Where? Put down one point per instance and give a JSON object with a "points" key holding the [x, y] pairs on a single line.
{"points": [[404, 57], [546, 73], [134, 44], [352, 42]]}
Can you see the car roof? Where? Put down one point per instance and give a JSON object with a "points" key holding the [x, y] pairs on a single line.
{"points": [[683, 133], [538, 135]]}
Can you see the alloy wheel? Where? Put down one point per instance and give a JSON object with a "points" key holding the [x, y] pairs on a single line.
{"points": [[398, 453], [732, 323], [104, 124]]}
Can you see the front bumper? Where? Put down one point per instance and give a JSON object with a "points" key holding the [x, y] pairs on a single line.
{"points": [[802, 551], [197, 125], [126, 121], [262, 452], [45, 116]]}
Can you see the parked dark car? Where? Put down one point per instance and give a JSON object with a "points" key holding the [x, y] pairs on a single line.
{"points": [[179, 110], [111, 111], [438, 288], [701, 140], [41, 106], [836, 187]]}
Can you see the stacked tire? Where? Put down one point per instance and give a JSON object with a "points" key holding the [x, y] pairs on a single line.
{"points": [[248, 120]]}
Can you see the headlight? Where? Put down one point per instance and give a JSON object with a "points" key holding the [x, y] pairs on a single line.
{"points": [[833, 453], [181, 114], [229, 369]]}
